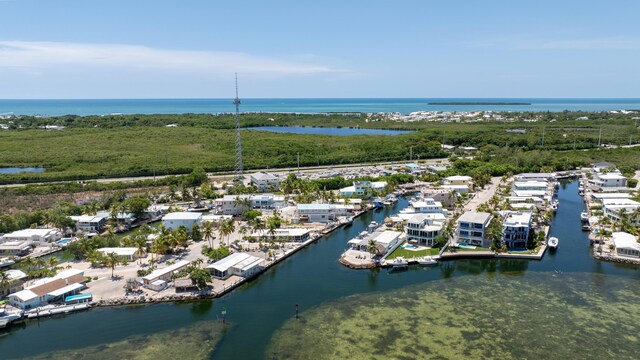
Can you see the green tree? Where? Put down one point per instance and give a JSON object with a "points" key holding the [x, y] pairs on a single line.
{"points": [[137, 205], [196, 234], [200, 277], [111, 260], [208, 232]]}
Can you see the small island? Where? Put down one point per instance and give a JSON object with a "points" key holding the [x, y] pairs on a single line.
{"points": [[476, 103]]}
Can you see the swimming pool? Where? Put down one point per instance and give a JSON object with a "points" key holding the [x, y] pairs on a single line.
{"points": [[466, 246], [409, 246], [63, 241]]}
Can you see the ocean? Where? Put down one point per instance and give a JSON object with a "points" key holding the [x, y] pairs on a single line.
{"points": [[404, 105]]}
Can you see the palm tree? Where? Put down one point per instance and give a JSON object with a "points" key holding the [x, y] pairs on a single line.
{"points": [[227, 228], [4, 282], [372, 247], [111, 260], [271, 226], [258, 226], [207, 232], [141, 245]]}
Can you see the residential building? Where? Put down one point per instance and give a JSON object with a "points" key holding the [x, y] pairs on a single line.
{"points": [[16, 281], [602, 166], [287, 235], [322, 213], [362, 188], [49, 290], [386, 241], [458, 180], [626, 244], [163, 275], [530, 185], [535, 177], [176, 219], [42, 235], [515, 229], [90, 223], [122, 218], [472, 228], [264, 181], [237, 204], [444, 196], [612, 208], [424, 228], [424, 206], [239, 264], [610, 179], [15, 248], [124, 253]]}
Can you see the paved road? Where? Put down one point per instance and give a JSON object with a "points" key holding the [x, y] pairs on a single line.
{"points": [[483, 195], [227, 176]]}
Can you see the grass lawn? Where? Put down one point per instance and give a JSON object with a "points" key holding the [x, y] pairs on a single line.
{"points": [[478, 248], [407, 254]]}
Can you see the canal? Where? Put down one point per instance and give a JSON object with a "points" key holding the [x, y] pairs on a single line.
{"points": [[310, 278]]}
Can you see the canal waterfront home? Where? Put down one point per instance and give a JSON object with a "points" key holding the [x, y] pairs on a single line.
{"points": [[472, 228], [458, 180], [15, 282], [602, 166], [609, 180], [15, 248], [362, 188], [42, 235], [48, 290], [424, 206], [176, 219], [614, 208], [158, 278], [530, 185], [626, 244], [124, 253], [386, 241], [424, 228], [515, 228], [536, 177], [321, 213], [90, 223], [239, 264], [288, 235], [264, 181], [237, 204]]}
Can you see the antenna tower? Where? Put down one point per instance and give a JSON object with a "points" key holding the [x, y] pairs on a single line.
{"points": [[238, 176]]}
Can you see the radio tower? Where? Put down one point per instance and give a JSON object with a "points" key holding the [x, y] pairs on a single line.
{"points": [[238, 177]]}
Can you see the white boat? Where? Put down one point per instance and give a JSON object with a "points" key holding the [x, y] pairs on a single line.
{"points": [[427, 260], [553, 242], [399, 263], [584, 216]]}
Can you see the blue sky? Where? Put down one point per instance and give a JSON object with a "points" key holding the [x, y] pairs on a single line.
{"points": [[177, 49]]}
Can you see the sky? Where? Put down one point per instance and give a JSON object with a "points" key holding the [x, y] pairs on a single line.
{"points": [[68, 49]]}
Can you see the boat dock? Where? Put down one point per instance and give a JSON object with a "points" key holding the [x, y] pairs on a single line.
{"points": [[65, 309]]}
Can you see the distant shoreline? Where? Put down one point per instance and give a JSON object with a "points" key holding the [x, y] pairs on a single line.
{"points": [[478, 103]]}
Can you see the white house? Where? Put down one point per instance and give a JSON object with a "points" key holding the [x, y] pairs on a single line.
{"points": [[530, 185], [611, 179], [240, 264], [385, 241], [16, 280], [89, 223], [124, 218], [187, 219], [264, 181], [424, 206], [48, 290], [599, 167], [626, 244], [612, 208], [458, 180], [45, 235], [535, 177], [127, 253], [162, 275], [237, 204], [15, 248], [360, 188], [288, 235], [472, 228], [320, 212], [424, 228], [515, 229]]}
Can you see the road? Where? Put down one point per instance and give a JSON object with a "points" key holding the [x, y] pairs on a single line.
{"points": [[483, 195], [227, 176]]}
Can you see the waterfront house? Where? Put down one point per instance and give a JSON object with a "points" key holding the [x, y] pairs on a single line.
{"points": [[16, 281], [472, 228], [124, 253], [158, 278], [423, 206], [239, 264], [264, 181], [122, 218], [626, 244], [362, 188], [612, 208], [515, 228], [530, 185], [444, 196], [89, 223], [41, 235], [15, 248], [287, 235], [609, 180], [535, 177], [49, 290], [386, 241], [424, 228], [237, 204], [321, 213], [602, 166], [458, 180], [187, 219]]}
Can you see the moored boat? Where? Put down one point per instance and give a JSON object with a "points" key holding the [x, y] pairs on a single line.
{"points": [[553, 242], [584, 216], [399, 263], [427, 260]]}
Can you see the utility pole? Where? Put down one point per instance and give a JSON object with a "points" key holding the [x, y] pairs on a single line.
{"points": [[238, 149], [600, 137]]}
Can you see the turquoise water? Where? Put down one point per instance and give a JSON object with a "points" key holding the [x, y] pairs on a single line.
{"points": [[405, 105], [327, 131], [313, 279]]}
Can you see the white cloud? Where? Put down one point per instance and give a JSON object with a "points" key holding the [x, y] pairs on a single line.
{"points": [[614, 43], [51, 55]]}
